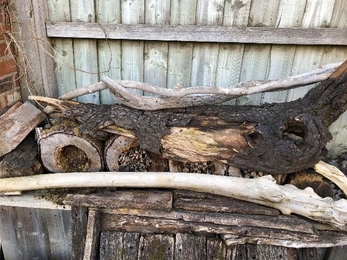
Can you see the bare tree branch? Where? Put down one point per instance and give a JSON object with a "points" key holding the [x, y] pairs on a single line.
{"points": [[264, 190]]}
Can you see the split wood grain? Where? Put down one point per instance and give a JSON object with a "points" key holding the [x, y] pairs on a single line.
{"points": [[130, 199], [16, 124]]}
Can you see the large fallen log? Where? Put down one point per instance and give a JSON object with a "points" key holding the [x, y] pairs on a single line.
{"points": [[273, 138]]}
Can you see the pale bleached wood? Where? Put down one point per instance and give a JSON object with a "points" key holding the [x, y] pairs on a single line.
{"points": [[262, 35], [92, 236], [85, 51], [16, 124], [332, 173], [264, 190], [30, 201]]}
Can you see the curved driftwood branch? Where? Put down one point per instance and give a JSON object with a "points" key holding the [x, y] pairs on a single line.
{"points": [[264, 190], [332, 173], [192, 96]]}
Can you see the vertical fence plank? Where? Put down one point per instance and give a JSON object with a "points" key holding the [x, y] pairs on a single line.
{"points": [[109, 51], [290, 14], [156, 53], [317, 14], [59, 11], [85, 51], [230, 55], [132, 51], [180, 54], [256, 59], [205, 55]]}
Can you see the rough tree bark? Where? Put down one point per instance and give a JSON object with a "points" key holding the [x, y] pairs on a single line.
{"points": [[274, 138]]}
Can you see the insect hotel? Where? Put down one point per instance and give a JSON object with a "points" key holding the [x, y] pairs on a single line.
{"points": [[173, 129]]}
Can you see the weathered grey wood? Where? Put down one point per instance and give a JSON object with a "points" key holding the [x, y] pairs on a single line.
{"points": [[281, 222], [216, 249], [85, 50], [79, 220], [119, 245], [16, 124], [59, 11], [30, 239], [22, 161], [190, 246], [263, 35], [35, 55], [132, 223], [156, 246], [130, 199], [194, 201], [91, 248], [336, 253], [109, 52], [250, 252]]}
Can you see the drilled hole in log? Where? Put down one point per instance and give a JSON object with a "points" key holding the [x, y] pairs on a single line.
{"points": [[71, 158], [255, 138], [134, 160], [294, 130]]}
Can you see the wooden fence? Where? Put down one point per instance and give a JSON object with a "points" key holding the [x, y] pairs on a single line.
{"points": [[67, 44]]}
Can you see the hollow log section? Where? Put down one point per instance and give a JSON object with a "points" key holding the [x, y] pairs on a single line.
{"points": [[63, 148], [273, 138]]}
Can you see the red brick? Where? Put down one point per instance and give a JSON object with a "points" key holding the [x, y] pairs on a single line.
{"points": [[4, 49], [7, 67]]}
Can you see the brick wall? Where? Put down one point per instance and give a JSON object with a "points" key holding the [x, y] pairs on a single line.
{"points": [[9, 83]]}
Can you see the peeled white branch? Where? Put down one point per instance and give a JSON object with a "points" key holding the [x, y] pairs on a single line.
{"points": [[288, 199], [193, 96]]}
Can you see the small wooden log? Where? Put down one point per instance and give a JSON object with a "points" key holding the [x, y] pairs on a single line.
{"points": [[64, 149], [16, 124], [132, 199], [114, 148], [22, 161]]}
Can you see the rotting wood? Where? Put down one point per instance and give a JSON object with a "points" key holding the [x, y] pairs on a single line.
{"points": [[263, 35], [234, 234], [203, 202], [22, 161], [281, 222], [156, 246], [266, 138], [190, 246], [262, 190], [131, 199], [119, 245], [16, 124]]}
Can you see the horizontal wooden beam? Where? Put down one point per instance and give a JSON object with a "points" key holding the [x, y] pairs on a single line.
{"points": [[198, 33]]}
